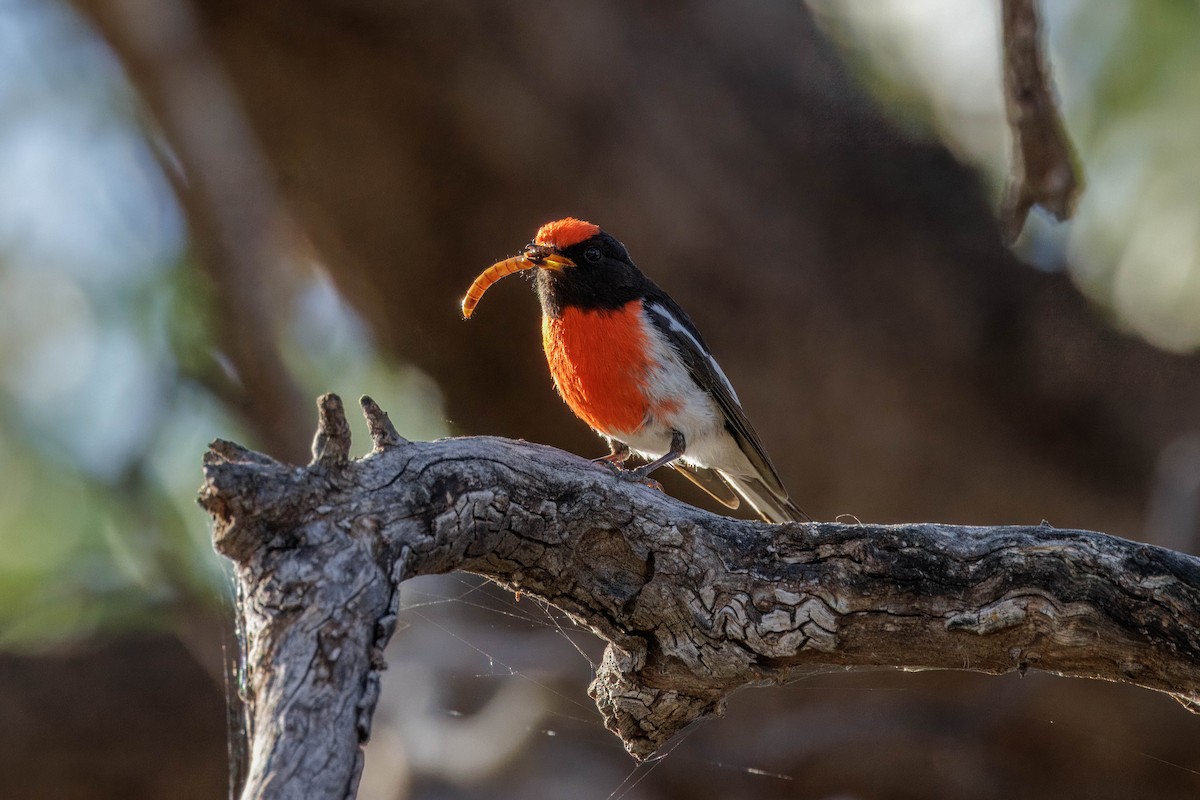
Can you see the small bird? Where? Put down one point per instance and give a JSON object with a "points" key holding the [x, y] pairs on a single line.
{"points": [[629, 362]]}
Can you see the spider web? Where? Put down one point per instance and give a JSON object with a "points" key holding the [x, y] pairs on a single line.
{"points": [[500, 681], [474, 641]]}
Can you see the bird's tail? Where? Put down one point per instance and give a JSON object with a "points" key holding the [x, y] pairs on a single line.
{"points": [[769, 506]]}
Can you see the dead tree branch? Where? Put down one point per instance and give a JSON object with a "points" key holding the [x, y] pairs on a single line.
{"points": [[693, 605], [1044, 168]]}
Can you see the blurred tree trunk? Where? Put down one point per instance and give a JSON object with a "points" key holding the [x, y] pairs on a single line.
{"points": [[148, 723], [896, 358]]}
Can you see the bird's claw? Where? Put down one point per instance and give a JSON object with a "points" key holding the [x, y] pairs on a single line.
{"points": [[613, 466], [640, 476]]}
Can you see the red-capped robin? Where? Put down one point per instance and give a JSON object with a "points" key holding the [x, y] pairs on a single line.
{"points": [[630, 363]]}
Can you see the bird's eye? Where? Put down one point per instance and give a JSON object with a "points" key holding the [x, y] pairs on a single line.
{"points": [[592, 254]]}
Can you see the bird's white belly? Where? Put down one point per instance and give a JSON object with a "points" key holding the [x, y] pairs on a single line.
{"points": [[689, 410], [705, 446]]}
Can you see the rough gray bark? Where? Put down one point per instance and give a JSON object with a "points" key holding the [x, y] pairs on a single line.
{"points": [[693, 605]]}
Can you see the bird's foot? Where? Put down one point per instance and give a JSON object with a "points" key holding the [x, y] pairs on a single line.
{"points": [[618, 452], [613, 465], [640, 475], [611, 458]]}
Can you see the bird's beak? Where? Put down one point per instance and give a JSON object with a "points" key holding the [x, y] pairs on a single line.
{"points": [[551, 261], [534, 257]]}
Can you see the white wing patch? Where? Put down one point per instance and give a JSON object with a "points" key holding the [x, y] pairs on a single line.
{"points": [[678, 327]]}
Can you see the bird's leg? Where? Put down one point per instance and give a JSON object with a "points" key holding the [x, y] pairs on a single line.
{"points": [[618, 453], [678, 446]]}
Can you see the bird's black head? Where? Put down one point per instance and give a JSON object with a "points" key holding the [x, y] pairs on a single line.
{"points": [[583, 267]]}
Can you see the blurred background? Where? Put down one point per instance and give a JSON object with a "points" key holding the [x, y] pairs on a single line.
{"points": [[212, 211]]}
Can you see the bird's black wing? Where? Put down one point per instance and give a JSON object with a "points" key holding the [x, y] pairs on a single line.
{"points": [[674, 323]]}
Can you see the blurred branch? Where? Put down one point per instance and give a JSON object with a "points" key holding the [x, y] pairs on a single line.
{"points": [[1044, 166], [694, 606], [233, 216]]}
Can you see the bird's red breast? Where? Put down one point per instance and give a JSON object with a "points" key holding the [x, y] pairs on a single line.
{"points": [[600, 363]]}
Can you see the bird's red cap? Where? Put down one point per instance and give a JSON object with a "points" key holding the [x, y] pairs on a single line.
{"points": [[563, 233]]}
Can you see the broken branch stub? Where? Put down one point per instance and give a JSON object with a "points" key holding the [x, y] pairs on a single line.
{"points": [[693, 605]]}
